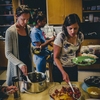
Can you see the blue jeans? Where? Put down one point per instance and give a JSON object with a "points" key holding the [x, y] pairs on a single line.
{"points": [[40, 63]]}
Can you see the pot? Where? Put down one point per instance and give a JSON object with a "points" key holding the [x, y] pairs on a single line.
{"points": [[36, 84]]}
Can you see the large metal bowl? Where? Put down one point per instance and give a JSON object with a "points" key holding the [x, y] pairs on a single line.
{"points": [[38, 82]]}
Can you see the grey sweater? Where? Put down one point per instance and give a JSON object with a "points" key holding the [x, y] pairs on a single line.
{"points": [[12, 53]]}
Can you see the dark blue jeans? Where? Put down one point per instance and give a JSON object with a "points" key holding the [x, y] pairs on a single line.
{"points": [[71, 71]]}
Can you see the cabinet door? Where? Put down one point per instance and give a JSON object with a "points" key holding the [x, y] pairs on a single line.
{"points": [[15, 4], [55, 11], [3, 59], [73, 6], [58, 9]]}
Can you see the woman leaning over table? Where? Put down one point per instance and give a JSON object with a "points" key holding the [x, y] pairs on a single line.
{"points": [[17, 45], [66, 47]]}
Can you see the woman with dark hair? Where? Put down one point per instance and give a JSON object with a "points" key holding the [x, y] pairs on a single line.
{"points": [[66, 47], [38, 41], [17, 45]]}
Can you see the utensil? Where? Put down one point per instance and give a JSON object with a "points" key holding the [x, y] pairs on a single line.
{"points": [[28, 80], [72, 90], [71, 86]]}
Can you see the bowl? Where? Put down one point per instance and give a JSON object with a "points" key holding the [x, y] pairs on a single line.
{"points": [[36, 50], [63, 92], [93, 92], [36, 84], [93, 81]]}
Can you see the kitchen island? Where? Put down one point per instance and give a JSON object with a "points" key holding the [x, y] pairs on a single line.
{"points": [[45, 96]]}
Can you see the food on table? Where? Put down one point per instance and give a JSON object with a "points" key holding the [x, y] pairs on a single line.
{"points": [[65, 93], [90, 55], [94, 92], [83, 60]]}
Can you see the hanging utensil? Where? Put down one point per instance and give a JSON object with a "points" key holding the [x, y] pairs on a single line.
{"points": [[28, 80]]}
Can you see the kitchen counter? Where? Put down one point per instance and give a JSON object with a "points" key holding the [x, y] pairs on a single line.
{"points": [[44, 95], [95, 68]]}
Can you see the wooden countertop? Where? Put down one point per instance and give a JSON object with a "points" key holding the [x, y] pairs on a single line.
{"points": [[44, 95]]}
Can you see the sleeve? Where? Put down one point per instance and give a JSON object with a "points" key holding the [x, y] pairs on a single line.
{"points": [[9, 48], [81, 37], [59, 40], [34, 37]]}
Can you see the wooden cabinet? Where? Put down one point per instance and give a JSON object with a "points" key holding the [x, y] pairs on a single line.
{"points": [[15, 4], [6, 16], [3, 59], [58, 9], [7, 13]]}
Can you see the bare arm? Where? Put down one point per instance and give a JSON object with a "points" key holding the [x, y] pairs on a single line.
{"points": [[45, 43], [57, 51]]}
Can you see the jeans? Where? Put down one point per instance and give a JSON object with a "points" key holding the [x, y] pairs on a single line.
{"points": [[40, 63]]}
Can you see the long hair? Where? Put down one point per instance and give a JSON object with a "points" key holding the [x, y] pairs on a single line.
{"points": [[69, 20], [22, 9]]}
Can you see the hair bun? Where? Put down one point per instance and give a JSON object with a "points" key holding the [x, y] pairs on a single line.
{"points": [[22, 9]]}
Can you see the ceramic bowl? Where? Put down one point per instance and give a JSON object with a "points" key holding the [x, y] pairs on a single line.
{"points": [[93, 92]]}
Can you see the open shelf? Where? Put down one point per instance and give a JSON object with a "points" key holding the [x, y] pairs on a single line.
{"points": [[91, 10]]}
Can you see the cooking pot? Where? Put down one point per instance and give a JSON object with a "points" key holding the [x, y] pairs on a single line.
{"points": [[37, 82]]}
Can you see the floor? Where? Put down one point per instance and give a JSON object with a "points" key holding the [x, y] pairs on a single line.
{"points": [[81, 76]]}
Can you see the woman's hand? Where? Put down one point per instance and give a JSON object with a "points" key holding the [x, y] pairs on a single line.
{"points": [[24, 69], [65, 76], [11, 89]]}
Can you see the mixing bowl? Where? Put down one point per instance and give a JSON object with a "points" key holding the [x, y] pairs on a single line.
{"points": [[93, 92]]}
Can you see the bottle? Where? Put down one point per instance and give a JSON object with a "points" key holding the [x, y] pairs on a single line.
{"points": [[16, 83]]}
